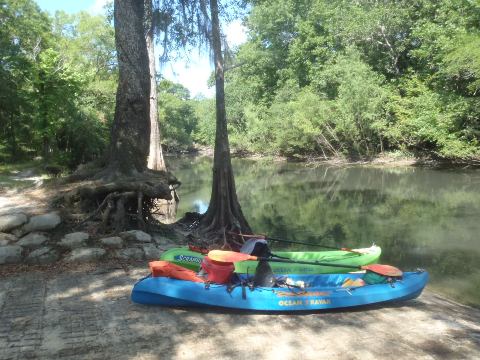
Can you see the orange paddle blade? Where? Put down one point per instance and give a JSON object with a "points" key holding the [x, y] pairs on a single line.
{"points": [[229, 256], [385, 270]]}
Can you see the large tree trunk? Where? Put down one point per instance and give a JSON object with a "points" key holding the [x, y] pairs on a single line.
{"points": [[130, 135], [155, 156], [13, 139], [43, 112], [128, 192], [224, 213]]}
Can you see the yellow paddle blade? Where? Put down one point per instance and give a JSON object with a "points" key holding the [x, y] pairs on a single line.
{"points": [[229, 256]]}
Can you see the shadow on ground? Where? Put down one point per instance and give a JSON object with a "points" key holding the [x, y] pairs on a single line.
{"points": [[87, 314]]}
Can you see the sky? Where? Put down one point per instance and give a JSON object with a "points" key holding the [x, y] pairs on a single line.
{"points": [[192, 73]]}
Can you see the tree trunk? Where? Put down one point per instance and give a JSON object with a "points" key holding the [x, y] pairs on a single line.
{"points": [[128, 187], [43, 112], [13, 139], [224, 213], [155, 156], [130, 134]]}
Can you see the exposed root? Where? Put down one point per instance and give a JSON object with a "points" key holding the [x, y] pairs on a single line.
{"points": [[227, 238], [106, 215], [119, 217], [140, 220], [127, 202]]}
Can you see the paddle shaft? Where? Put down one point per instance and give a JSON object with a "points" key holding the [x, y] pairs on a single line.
{"points": [[232, 257], [305, 262], [300, 243]]}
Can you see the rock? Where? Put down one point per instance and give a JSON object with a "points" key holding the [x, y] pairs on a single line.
{"points": [[115, 242], [161, 240], [5, 238], [74, 240], [32, 240], [42, 222], [42, 256], [151, 252], [12, 221], [18, 232], [85, 254], [10, 254], [130, 254], [136, 235]]}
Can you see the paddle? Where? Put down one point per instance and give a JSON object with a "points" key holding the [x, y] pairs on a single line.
{"points": [[232, 256], [298, 242]]}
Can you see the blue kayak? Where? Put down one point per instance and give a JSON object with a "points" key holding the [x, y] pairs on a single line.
{"points": [[321, 292]]}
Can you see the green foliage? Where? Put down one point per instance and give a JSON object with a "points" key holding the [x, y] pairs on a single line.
{"points": [[462, 65], [357, 78], [205, 112], [316, 77], [57, 84], [23, 33], [178, 120], [427, 122]]}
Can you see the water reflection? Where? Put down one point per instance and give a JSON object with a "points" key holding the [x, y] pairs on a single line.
{"points": [[421, 217], [200, 206]]}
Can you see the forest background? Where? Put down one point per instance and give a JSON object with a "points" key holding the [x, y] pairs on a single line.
{"points": [[315, 78]]}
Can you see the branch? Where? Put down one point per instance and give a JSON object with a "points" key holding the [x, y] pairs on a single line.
{"points": [[234, 66]]}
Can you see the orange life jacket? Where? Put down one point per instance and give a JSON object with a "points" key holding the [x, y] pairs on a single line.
{"points": [[167, 269]]}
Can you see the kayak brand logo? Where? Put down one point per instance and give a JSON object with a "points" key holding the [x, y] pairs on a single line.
{"points": [[306, 302], [187, 258], [295, 270], [303, 294]]}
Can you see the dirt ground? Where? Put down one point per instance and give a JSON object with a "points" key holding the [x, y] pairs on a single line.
{"points": [[87, 314]]}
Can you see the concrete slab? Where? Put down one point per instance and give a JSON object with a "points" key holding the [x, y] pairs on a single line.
{"points": [[88, 315]]}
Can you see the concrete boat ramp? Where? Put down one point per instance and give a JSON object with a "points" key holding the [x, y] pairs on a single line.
{"points": [[86, 313]]}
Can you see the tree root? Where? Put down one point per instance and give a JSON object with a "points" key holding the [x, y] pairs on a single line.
{"points": [[127, 202], [226, 238]]}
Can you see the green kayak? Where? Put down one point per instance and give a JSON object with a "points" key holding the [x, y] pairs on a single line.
{"points": [[191, 260]]}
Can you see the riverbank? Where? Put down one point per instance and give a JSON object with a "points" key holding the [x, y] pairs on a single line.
{"points": [[86, 313], [386, 159]]}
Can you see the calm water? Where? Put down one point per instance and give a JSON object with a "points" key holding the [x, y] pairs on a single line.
{"points": [[420, 217]]}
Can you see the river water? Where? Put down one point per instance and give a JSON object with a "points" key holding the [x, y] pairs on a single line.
{"points": [[421, 217]]}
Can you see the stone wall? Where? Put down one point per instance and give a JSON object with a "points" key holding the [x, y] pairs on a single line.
{"points": [[28, 239]]}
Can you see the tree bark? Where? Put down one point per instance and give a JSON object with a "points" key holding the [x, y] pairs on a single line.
{"points": [[43, 112], [135, 188], [13, 139], [130, 134], [155, 155], [224, 212]]}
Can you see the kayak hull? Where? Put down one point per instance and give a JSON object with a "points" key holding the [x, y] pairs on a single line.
{"points": [[324, 292], [191, 260]]}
